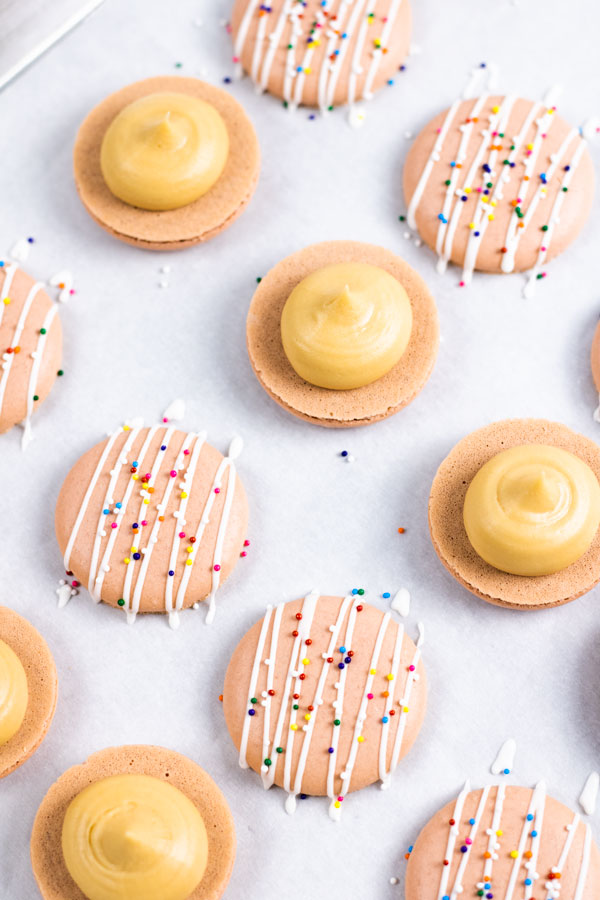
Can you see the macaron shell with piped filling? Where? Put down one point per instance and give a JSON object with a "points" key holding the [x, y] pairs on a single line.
{"points": [[447, 528], [42, 687], [51, 874]]}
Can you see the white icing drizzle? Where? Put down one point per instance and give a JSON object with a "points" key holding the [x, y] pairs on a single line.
{"points": [[270, 664], [458, 885], [9, 357], [452, 835], [64, 592], [553, 220], [34, 374], [384, 775], [589, 794], [531, 864], [536, 806], [9, 274], [188, 478], [132, 609], [590, 128], [505, 758], [553, 887], [267, 43], [252, 687], [346, 774], [493, 843], [318, 697], [338, 705], [400, 602], [98, 571], [86, 499], [585, 864], [404, 701]]}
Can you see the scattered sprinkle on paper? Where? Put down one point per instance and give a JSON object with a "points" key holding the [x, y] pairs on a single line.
{"points": [[63, 280]]}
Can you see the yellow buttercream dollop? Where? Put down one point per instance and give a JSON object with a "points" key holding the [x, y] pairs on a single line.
{"points": [[164, 151], [346, 325], [14, 693], [532, 510], [134, 837]]}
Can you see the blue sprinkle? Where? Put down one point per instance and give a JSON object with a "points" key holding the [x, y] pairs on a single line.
{"points": [[390, 81], [463, 849], [298, 68], [331, 750], [30, 240], [344, 453], [164, 447], [452, 165], [443, 218], [348, 659], [171, 572], [341, 666], [303, 796], [402, 68], [355, 590], [534, 834], [386, 596], [471, 821], [227, 80], [566, 168], [137, 555], [385, 720], [482, 65], [342, 649], [118, 505], [135, 463], [463, 199], [528, 881], [312, 116], [251, 712], [135, 525], [105, 512], [529, 817], [1, 263], [507, 772], [476, 233], [486, 168], [410, 849]]}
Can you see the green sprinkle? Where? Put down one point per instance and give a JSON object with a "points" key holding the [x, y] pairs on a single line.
{"points": [[544, 228], [361, 591], [43, 330], [178, 65], [267, 761], [36, 397], [279, 749], [121, 602], [336, 722], [402, 218], [565, 189], [447, 182], [295, 706], [258, 279], [253, 700], [490, 184], [60, 372], [285, 104], [330, 108], [539, 276]]}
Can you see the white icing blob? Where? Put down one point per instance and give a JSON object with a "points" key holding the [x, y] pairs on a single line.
{"points": [[175, 411], [589, 794], [20, 250], [505, 758], [591, 128], [400, 602], [64, 278]]}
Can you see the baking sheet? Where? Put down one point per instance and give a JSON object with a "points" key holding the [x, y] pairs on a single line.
{"points": [[132, 346]]}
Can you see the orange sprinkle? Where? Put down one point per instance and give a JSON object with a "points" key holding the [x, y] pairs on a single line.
{"points": [[401, 530]]}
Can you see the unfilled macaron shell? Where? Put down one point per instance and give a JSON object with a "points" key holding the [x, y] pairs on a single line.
{"points": [[49, 867], [359, 406], [448, 531], [496, 823], [352, 649], [187, 488], [321, 54], [30, 345]]}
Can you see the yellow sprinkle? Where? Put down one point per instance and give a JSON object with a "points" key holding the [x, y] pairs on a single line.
{"points": [[188, 562], [125, 427], [305, 661], [485, 199], [126, 560], [372, 671], [189, 549], [514, 853], [405, 709], [293, 728], [360, 739], [6, 301], [307, 717], [550, 112], [307, 70], [491, 217], [390, 677], [494, 202], [183, 495], [495, 109], [530, 146], [467, 190], [471, 225], [337, 804], [135, 477], [134, 549], [499, 833]]}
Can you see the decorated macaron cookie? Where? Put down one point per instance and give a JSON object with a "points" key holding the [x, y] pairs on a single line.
{"points": [[153, 520], [28, 690], [30, 346], [504, 841], [499, 184], [166, 162], [135, 822], [324, 696], [342, 333], [318, 52], [514, 513]]}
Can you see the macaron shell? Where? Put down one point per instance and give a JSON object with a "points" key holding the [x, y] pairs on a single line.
{"points": [[574, 210], [188, 225], [21, 377], [339, 409], [42, 686], [49, 868], [595, 357], [357, 48], [426, 861], [450, 539], [366, 767], [199, 489]]}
